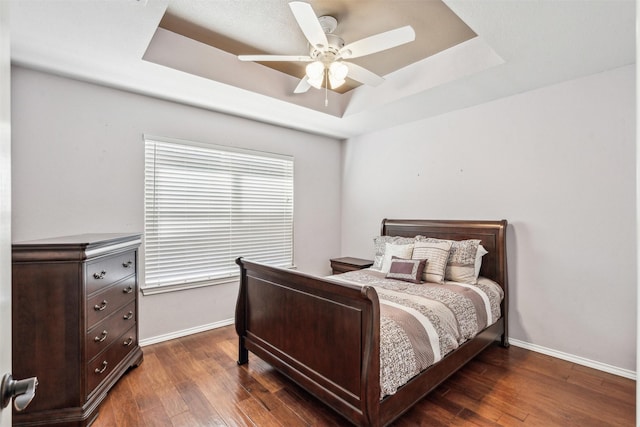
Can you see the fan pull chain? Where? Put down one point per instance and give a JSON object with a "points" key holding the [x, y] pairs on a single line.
{"points": [[326, 88]]}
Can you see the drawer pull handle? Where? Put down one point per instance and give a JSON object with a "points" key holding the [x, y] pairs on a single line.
{"points": [[101, 307], [101, 337], [128, 342], [127, 290], [104, 368], [100, 275], [127, 264], [128, 316]]}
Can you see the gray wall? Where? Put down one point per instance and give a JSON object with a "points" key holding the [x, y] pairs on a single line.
{"points": [[78, 166], [559, 164]]}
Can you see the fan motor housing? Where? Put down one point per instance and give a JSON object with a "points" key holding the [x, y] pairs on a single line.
{"points": [[335, 44]]}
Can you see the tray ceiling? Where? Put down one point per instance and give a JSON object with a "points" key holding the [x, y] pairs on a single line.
{"points": [[178, 50], [268, 27]]}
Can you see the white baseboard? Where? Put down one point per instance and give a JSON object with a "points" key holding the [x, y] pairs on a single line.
{"points": [[184, 332], [575, 359], [626, 373]]}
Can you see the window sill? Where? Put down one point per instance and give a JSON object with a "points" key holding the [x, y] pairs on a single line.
{"points": [[153, 290], [163, 289]]}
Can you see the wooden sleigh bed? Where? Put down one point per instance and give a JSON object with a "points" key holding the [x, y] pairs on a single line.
{"points": [[325, 335]]}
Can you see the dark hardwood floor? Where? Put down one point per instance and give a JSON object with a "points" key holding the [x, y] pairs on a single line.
{"points": [[195, 381]]}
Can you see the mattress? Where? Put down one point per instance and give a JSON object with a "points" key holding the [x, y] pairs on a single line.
{"points": [[421, 323]]}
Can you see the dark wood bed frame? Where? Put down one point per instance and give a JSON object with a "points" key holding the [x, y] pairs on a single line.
{"points": [[325, 335]]}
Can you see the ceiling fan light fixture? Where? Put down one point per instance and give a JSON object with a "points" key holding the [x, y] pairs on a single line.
{"points": [[337, 73], [315, 74], [335, 83], [338, 70], [316, 82], [315, 70]]}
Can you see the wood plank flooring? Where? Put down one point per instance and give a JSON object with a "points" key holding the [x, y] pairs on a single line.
{"points": [[195, 381]]}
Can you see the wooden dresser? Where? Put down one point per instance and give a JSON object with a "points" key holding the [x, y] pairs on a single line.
{"points": [[75, 311]]}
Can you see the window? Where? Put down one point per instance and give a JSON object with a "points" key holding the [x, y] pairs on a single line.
{"points": [[207, 205]]}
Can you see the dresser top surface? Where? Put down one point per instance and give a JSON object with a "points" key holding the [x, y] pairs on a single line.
{"points": [[75, 247], [87, 239]]}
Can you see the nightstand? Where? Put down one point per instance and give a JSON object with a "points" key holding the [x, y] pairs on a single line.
{"points": [[342, 265]]}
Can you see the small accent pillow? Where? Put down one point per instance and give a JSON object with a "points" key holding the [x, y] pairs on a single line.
{"points": [[462, 260], [437, 253], [408, 270], [478, 264], [391, 250], [379, 243]]}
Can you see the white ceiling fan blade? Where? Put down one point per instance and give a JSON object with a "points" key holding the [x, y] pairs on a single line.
{"points": [[303, 86], [378, 42], [309, 24], [263, 58], [363, 75]]}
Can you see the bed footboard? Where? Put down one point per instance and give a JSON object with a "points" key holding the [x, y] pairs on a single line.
{"points": [[290, 319]]}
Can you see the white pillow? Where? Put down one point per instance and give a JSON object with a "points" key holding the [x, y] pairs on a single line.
{"points": [[479, 254], [436, 254], [462, 260], [391, 250]]}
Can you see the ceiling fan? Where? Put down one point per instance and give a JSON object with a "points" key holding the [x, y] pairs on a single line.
{"points": [[327, 51]]}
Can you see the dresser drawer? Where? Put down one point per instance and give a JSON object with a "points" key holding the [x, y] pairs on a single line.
{"points": [[99, 368], [104, 333], [109, 270], [102, 305]]}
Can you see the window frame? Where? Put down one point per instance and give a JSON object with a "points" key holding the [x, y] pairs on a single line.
{"points": [[231, 275]]}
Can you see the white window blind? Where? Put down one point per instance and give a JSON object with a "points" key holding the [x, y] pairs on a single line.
{"points": [[207, 205]]}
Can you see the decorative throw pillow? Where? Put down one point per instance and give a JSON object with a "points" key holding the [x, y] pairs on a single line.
{"points": [[391, 250], [408, 270], [478, 264], [379, 243], [437, 253], [461, 265]]}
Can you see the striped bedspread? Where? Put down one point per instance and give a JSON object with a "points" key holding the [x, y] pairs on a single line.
{"points": [[422, 323]]}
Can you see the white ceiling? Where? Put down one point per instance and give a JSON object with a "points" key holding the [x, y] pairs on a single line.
{"points": [[521, 45]]}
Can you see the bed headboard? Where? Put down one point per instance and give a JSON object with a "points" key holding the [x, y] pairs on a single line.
{"points": [[492, 235]]}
